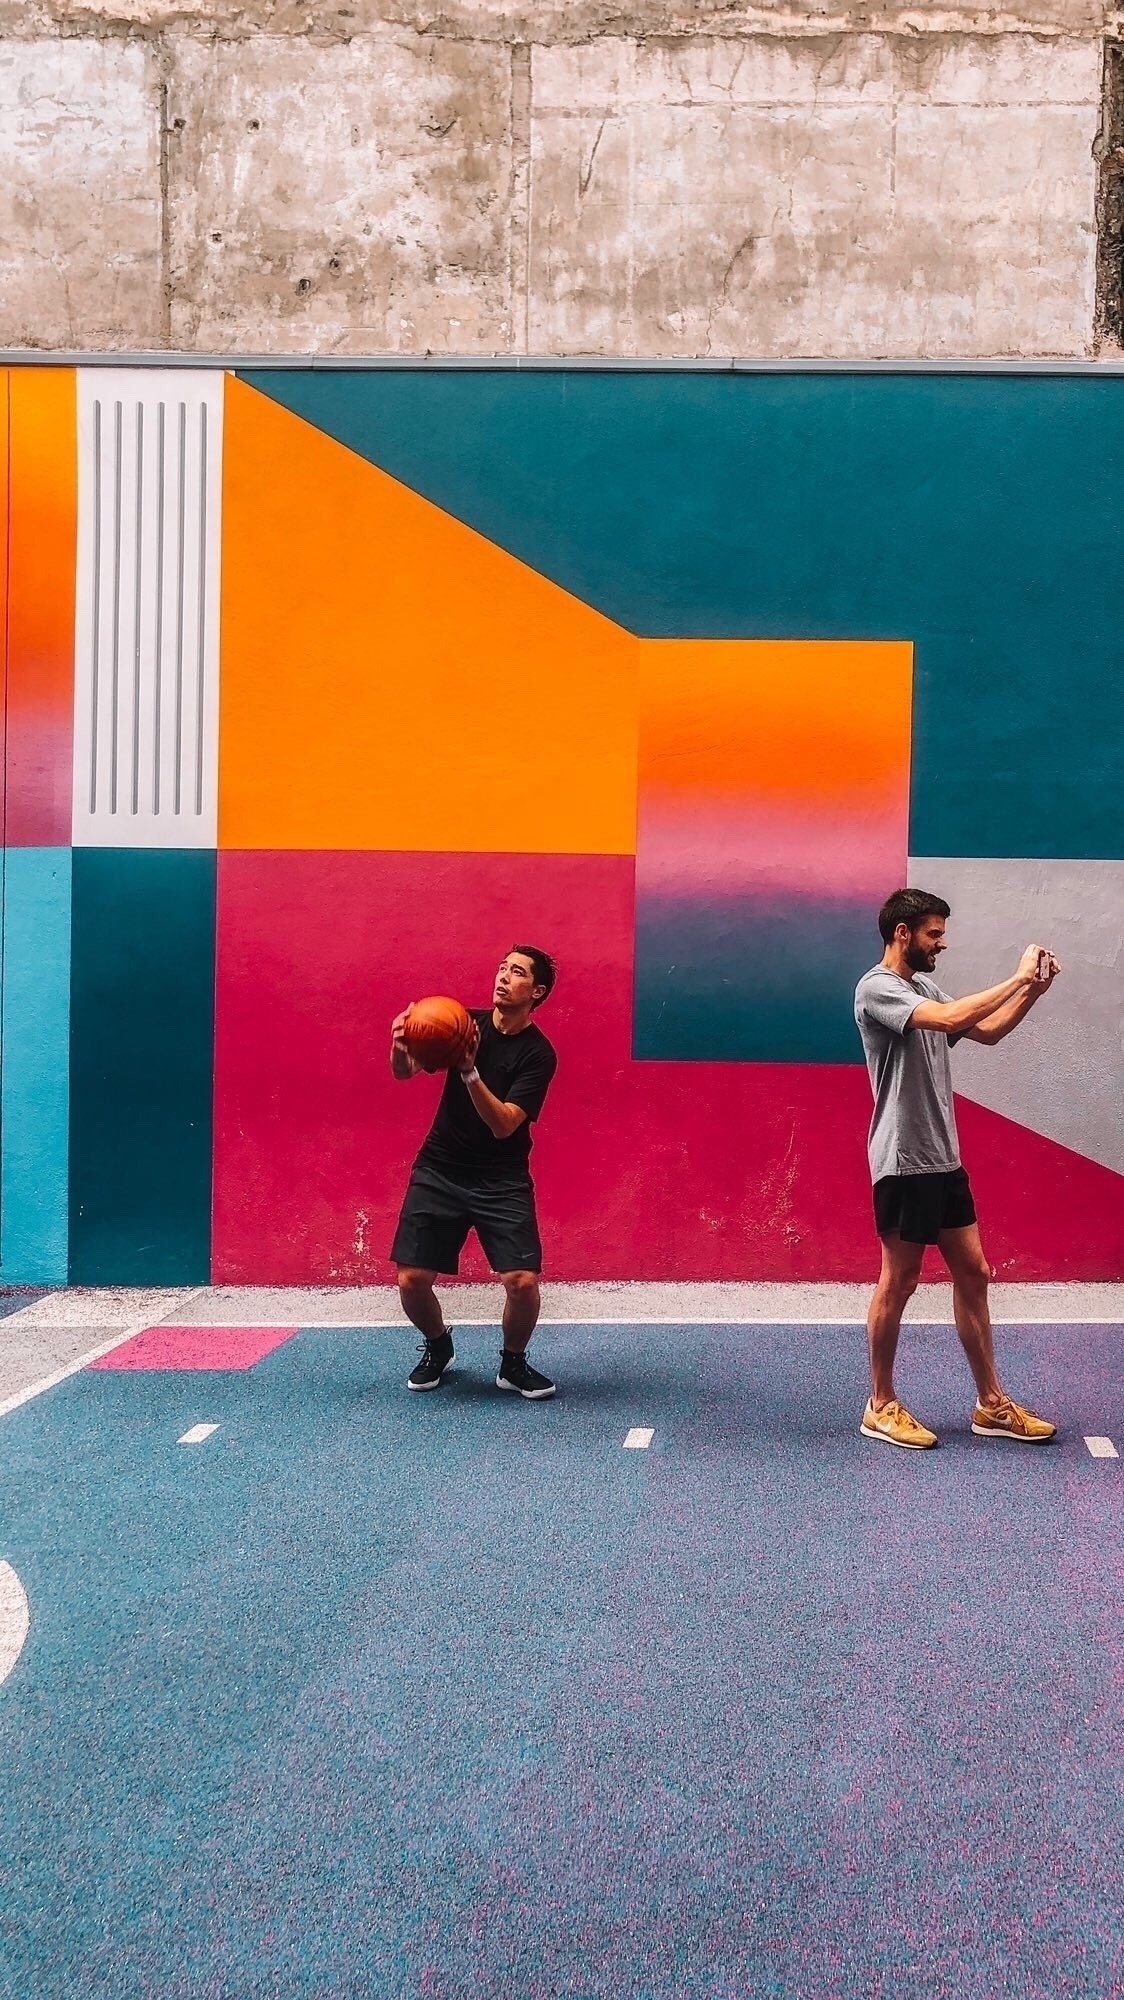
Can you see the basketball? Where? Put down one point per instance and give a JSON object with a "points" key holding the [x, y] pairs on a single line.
{"points": [[436, 1032]]}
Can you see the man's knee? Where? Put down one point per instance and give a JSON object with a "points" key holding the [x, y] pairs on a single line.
{"points": [[413, 1283], [899, 1284], [521, 1285], [974, 1275]]}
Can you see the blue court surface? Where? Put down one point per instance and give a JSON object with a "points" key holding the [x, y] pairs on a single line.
{"points": [[453, 1696]]}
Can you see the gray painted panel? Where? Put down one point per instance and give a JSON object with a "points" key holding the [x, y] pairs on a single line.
{"points": [[1062, 1070]]}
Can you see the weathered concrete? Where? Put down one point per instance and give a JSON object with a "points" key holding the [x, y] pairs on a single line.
{"points": [[822, 179], [80, 208], [551, 22], [855, 197], [345, 198]]}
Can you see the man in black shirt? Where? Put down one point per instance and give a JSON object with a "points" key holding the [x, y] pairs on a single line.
{"points": [[473, 1173]]}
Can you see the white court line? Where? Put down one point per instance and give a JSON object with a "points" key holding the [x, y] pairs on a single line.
{"points": [[197, 1434], [1101, 1448], [662, 1319], [71, 1368], [14, 1619], [638, 1439]]}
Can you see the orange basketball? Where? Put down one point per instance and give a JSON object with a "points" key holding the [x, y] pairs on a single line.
{"points": [[437, 1031]]}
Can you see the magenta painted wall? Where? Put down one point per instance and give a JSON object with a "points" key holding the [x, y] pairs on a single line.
{"points": [[645, 1170]]}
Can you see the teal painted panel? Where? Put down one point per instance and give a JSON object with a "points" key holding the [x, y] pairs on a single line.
{"points": [[969, 514], [142, 1060], [35, 1066]]}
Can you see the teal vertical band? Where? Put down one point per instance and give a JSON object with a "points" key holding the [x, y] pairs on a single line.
{"points": [[35, 1066], [142, 1066]]}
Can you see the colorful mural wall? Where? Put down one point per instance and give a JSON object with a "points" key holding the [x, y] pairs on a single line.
{"points": [[322, 688]]}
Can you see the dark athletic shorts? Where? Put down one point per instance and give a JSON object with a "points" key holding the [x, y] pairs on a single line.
{"points": [[917, 1207], [437, 1215]]}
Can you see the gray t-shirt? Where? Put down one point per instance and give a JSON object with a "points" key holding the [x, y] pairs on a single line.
{"points": [[913, 1130]]}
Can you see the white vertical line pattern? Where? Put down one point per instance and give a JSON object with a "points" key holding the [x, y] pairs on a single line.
{"points": [[147, 642]]}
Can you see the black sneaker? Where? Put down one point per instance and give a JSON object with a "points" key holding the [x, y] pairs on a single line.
{"points": [[435, 1358], [517, 1374]]}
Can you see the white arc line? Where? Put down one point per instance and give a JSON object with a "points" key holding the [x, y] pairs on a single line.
{"points": [[638, 1439], [1101, 1448], [58, 1375], [14, 1619], [197, 1434]]}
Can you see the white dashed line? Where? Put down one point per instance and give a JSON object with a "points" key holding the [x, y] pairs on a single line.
{"points": [[197, 1433], [1102, 1448], [638, 1440]]}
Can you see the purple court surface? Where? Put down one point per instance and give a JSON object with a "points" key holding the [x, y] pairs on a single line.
{"points": [[453, 1697]]}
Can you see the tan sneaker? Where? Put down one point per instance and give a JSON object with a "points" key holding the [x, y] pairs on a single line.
{"points": [[1010, 1420], [894, 1425]]}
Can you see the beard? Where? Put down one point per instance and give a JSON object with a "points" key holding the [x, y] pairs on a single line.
{"points": [[919, 959]]}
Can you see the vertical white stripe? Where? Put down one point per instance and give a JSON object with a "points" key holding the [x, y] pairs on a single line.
{"points": [[147, 647]]}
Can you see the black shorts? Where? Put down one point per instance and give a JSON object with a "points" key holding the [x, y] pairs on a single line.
{"points": [[438, 1213], [917, 1207]]}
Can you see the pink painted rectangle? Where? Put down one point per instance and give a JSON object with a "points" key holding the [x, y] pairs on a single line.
{"points": [[196, 1347]]}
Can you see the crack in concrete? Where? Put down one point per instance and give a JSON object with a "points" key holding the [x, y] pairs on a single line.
{"points": [[585, 178]]}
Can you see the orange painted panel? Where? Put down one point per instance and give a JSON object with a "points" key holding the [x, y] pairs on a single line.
{"points": [[818, 722], [42, 553], [392, 680]]}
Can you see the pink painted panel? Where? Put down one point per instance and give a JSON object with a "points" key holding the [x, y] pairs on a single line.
{"points": [[657, 1170], [196, 1347], [1045, 1213], [644, 1169]]}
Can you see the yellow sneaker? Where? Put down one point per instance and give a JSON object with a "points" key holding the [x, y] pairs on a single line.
{"points": [[894, 1425], [1010, 1420]]}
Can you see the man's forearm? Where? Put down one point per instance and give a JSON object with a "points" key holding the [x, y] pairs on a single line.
{"points": [[960, 1015], [994, 1026], [500, 1118], [402, 1065]]}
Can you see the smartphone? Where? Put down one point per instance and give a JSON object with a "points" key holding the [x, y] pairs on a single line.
{"points": [[1043, 972]]}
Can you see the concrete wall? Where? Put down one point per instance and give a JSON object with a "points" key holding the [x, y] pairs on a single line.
{"points": [[575, 177]]}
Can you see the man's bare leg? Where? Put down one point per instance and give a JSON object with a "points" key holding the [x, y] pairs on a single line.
{"points": [[971, 1273], [521, 1309], [901, 1269], [420, 1302]]}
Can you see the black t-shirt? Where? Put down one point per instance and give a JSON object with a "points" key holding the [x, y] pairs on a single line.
{"points": [[517, 1069]]}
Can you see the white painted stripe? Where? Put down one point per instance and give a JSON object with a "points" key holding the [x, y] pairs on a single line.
{"points": [[1101, 1448], [15, 1619], [197, 1433], [147, 627], [72, 1368], [643, 1319], [638, 1439]]}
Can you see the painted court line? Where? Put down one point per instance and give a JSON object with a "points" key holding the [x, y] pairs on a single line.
{"points": [[662, 1319], [1101, 1448], [60, 1374], [197, 1434], [638, 1439], [14, 1619]]}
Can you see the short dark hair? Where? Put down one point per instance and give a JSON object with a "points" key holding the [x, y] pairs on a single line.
{"points": [[909, 906], [542, 966]]}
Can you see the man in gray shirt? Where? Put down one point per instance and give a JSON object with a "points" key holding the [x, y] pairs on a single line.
{"points": [[921, 1191]]}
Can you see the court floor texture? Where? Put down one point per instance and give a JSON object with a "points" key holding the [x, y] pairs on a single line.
{"points": [[455, 1696]]}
